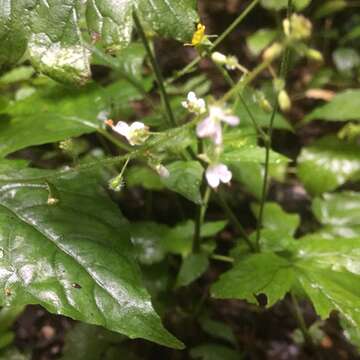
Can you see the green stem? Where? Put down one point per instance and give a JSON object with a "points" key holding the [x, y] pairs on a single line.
{"points": [[222, 258], [197, 232], [231, 83], [301, 321], [233, 219], [268, 142], [131, 80], [156, 68], [188, 68]]}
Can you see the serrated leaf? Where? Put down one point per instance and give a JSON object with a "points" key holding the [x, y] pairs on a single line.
{"points": [[344, 106], [57, 113], [329, 272], [327, 164], [73, 257], [264, 273], [192, 267], [185, 178]]}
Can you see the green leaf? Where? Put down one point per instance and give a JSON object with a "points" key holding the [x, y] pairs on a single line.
{"points": [[346, 59], [343, 107], [218, 329], [21, 73], [57, 113], [330, 7], [258, 41], [275, 218], [192, 267], [13, 39], [240, 147], [88, 342], [250, 175], [282, 4], [214, 352], [264, 273], [339, 209], [327, 164], [55, 44], [185, 178], [73, 257], [143, 176], [146, 237], [329, 272], [113, 21]]}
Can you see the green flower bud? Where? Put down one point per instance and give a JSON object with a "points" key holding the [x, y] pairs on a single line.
{"points": [[284, 101], [315, 55], [273, 51]]}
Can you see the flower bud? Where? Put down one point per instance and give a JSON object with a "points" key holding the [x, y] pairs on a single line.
{"points": [[284, 101], [116, 183], [315, 55], [297, 27], [218, 58], [162, 171], [273, 51], [265, 105]]}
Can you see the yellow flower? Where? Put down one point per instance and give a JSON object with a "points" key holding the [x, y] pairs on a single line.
{"points": [[198, 35]]}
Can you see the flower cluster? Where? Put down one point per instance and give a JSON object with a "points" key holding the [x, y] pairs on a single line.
{"points": [[211, 127]]}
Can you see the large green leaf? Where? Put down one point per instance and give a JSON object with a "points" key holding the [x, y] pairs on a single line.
{"points": [[240, 146], [185, 178], [57, 113], [55, 44], [344, 106], [73, 256], [327, 270], [327, 164], [256, 274], [113, 21], [12, 37]]}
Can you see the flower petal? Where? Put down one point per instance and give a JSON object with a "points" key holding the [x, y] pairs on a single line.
{"points": [[137, 125], [212, 177], [191, 97], [206, 128], [232, 120], [122, 128], [217, 135], [224, 173]]}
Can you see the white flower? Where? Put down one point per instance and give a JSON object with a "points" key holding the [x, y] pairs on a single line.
{"points": [[194, 104], [211, 125], [216, 174], [136, 133]]}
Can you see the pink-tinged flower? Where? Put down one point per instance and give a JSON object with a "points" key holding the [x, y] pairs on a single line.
{"points": [[215, 174], [136, 133], [211, 126], [194, 104]]}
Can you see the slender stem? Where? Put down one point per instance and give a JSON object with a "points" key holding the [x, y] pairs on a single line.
{"points": [[156, 68], [205, 203], [197, 232], [232, 217], [113, 64], [217, 42], [268, 142], [222, 258], [301, 321], [230, 81]]}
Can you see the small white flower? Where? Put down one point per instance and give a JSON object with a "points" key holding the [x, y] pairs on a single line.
{"points": [[211, 126], [162, 171], [194, 104], [218, 173], [136, 133]]}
